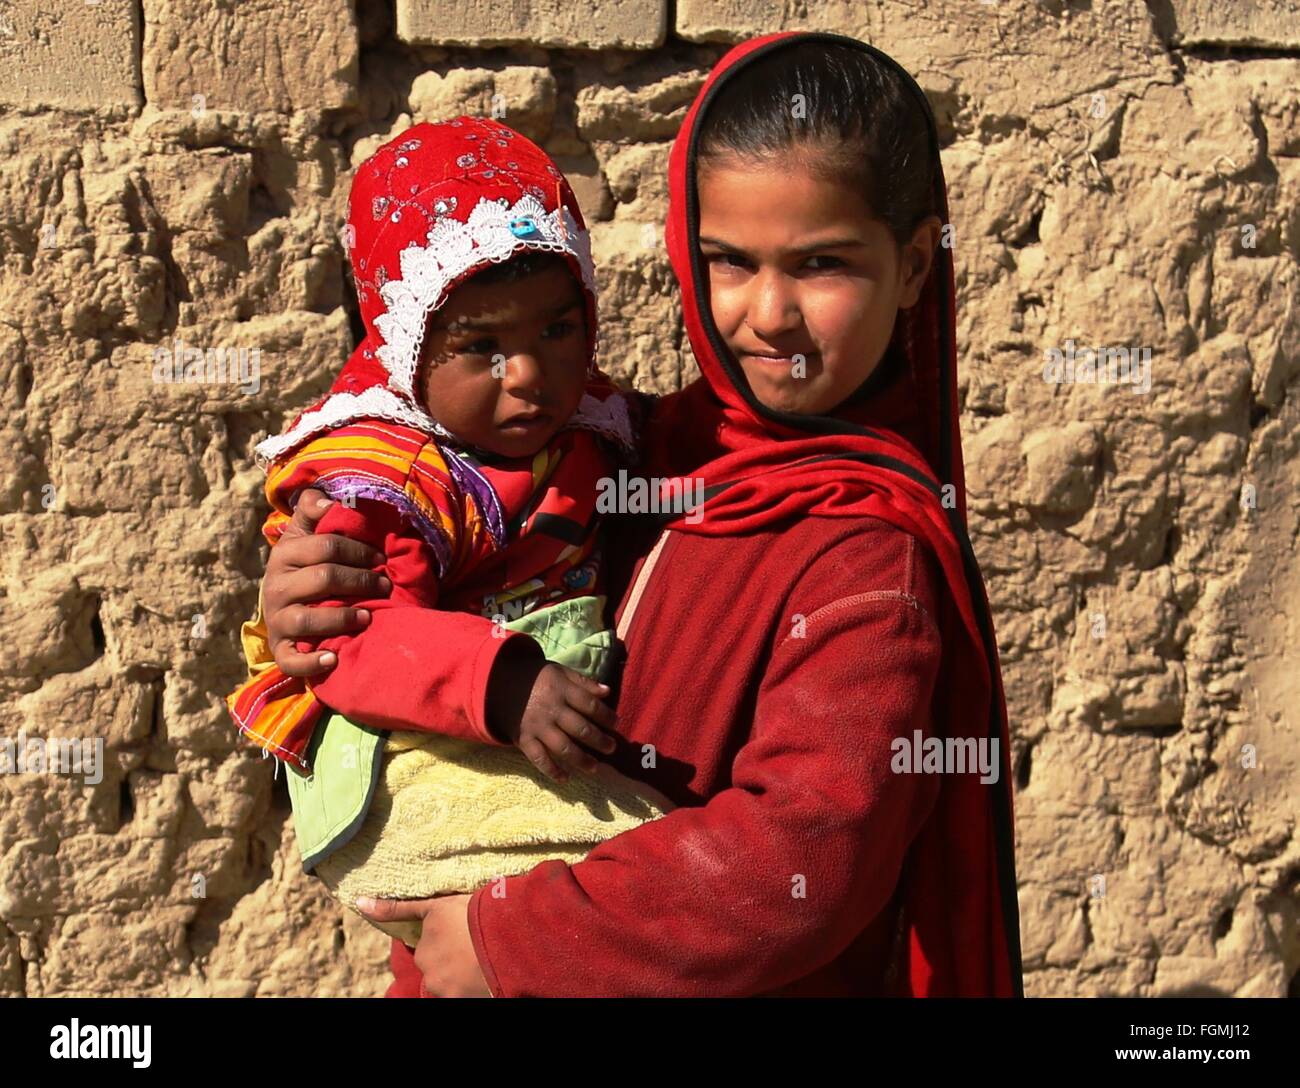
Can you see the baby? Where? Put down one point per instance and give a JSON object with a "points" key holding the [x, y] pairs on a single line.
{"points": [[465, 440]]}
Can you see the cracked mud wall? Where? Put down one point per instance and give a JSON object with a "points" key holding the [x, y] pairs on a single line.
{"points": [[1121, 175]]}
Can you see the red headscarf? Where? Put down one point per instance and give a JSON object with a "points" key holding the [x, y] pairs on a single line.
{"points": [[427, 210], [894, 455]]}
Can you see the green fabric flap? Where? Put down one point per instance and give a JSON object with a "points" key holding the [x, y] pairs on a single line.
{"points": [[571, 634], [345, 756], [329, 806]]}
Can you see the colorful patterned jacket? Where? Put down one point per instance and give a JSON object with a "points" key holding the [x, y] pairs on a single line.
{"points": [[464, 541]]}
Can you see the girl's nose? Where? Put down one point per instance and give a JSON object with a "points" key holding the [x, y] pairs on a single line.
{"points": [[772, 309]]}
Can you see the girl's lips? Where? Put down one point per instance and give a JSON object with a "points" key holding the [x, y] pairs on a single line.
{"points": [[786, 361]]}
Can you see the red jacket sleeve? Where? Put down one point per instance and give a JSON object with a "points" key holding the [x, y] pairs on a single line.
{"points": [[414, 667], [772, 877]]}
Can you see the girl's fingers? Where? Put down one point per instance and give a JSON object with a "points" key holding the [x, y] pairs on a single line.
{"points": [[329, 580], [538, 756], [394, 910], [563, 748], [343, 550], [299, 552], [288, 613], [292, 663], [300, 622], [310, 508]]}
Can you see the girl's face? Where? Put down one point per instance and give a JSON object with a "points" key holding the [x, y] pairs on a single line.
{"points": [[505, 364], [805, 283]]}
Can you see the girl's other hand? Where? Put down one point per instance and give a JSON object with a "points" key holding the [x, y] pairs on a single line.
{"points": [[304, 568], [445, 954]]}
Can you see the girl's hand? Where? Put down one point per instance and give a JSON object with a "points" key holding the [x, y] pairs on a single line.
{"points": [[304, 568], [445, 954]]}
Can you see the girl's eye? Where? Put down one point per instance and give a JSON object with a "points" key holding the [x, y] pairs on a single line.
{"points": [[557, 330], [484, 346], [727, 260]]}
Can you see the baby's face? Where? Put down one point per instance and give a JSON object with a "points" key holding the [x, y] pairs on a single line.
{"points": [[505, 364], [804, 283]]}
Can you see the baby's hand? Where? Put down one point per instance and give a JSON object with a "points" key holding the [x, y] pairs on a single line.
{"points": [[549, 712]]}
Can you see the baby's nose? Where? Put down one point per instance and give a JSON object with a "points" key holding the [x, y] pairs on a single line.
{"points": [[523, 371]]}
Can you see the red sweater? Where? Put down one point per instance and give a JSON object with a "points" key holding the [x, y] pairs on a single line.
{"points": [[779, 876]]}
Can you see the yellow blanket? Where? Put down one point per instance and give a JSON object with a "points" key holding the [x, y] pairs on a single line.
{"points": [[450, 816]]}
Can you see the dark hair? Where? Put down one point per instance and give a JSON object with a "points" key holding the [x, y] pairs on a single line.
{"points": [[860, 122], [523, 263], [526, 262]]}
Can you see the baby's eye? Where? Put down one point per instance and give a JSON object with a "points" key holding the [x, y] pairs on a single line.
{"points": [[485, 345], [557, 330]]}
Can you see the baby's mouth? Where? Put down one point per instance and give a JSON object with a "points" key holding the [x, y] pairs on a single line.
{"points": [[525, 422]]}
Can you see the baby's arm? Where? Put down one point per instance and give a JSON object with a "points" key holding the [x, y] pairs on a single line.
{"points": [[416, 667]]}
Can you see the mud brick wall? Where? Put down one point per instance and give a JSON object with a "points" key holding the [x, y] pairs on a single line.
{"points": [[174, 175]]}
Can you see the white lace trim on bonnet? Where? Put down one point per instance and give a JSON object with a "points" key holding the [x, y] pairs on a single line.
{"points": [[495, 231], [608, 417]]}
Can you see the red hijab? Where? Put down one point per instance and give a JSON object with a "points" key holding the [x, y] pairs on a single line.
{"points": [[894, 454]]}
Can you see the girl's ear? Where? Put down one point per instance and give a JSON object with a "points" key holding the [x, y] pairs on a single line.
{"points": [[915, 260]]}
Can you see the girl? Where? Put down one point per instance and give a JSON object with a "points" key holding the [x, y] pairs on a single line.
{"points": [[825, 609]]}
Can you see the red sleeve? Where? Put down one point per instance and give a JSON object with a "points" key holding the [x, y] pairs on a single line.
{"points": [[774, 876], [414, 667]]}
